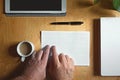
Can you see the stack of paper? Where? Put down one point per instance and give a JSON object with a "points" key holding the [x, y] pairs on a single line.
{"points": [[72, 43], [110, 46]]}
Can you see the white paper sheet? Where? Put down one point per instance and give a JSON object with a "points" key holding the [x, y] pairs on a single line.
{"points": [[73, 43], [110, 46]]}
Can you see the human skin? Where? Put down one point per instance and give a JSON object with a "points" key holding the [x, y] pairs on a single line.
{"points": [[36, 66], [58, 67]]}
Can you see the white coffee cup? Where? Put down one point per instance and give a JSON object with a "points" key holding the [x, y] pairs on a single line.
{"points": [[25, 49]]}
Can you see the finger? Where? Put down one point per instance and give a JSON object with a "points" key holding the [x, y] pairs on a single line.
{"points": [[62, 59], [33, 55], [71, 64], [71, 60], [67, 58], [38, 55], [46, 54], [55, 55]]}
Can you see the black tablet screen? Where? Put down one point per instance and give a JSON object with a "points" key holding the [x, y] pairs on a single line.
{"points": [[35, 5]]}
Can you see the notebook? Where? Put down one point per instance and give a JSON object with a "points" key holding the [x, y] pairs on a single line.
{"points": [[110, 46], [76, 44]]}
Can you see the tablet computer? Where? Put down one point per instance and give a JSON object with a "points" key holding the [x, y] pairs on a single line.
{"points": [[35, 7]]}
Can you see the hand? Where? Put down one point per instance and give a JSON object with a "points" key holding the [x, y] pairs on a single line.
{"points": [[36, 67], [60, 67]]}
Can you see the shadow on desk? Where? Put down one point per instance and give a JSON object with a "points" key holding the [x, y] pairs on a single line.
{"points": [[16, 72], [20, 66], [12, 50], [96, 47]]}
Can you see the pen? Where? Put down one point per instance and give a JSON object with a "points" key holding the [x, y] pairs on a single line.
{"points": [[67, 23]]}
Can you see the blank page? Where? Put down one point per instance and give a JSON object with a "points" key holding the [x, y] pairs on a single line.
{"points": [[110, 46], [72, 43]]}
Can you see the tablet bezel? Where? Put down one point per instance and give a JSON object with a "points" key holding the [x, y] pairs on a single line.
{"points": [[7, 9]]}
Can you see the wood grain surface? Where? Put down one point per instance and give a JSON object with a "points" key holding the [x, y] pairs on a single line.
{"points": [[16, 29]]}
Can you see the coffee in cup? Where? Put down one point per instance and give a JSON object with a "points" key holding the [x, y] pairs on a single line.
{"points": [[25, 49]]}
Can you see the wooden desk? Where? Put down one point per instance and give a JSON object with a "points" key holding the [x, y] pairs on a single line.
{"points": [[16, 29]]}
